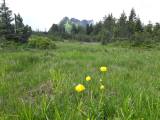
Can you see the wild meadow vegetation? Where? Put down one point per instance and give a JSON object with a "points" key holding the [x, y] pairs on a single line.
{"points": [[40, 84], [79, 70]]}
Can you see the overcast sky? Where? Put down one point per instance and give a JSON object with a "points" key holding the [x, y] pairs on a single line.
{"points": [[41, 14]]}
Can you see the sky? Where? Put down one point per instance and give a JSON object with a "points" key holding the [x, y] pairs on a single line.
{"points": [[41, 14]]}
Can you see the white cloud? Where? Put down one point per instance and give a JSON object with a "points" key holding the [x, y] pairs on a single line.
{"points": [[43, 13]]}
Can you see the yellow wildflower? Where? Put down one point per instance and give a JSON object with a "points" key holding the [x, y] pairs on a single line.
{"points": [[103, 69], [88, 78], [79, 88], [102, 87]]}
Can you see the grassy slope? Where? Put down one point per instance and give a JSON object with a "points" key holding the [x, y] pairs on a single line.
{"points": [[132, 83]]}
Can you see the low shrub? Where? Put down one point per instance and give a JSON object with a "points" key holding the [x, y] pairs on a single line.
{"points": [[41, 42], [142, 39], [8, 44]]}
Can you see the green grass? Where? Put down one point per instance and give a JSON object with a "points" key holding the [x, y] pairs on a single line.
{"points": [[39, 84]]}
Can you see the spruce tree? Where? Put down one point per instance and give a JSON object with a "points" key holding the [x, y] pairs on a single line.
{"points": [[131, 23], [6, 28], [89, 29], [74, 29], [138, 25], [22, 32], [109, 26], [109, 23], [149, 28], [54, 29], [156, 29], [122, 26], [97, 28]]}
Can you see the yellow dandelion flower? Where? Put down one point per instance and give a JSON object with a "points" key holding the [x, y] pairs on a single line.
{"points": [[102, 87], [88, 78], [79, 88], [103, 69]]}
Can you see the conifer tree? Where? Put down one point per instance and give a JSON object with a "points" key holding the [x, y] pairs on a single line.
{"points": [[89, 29], [138, 25], [22, 32], [131, 23], [6, 28], [97, 28], [122, 26]]}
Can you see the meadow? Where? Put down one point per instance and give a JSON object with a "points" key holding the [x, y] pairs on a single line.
{"points": [[40, 84]]}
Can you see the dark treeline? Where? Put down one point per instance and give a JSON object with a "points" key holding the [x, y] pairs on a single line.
{"points": [[111, 29], [12, 29], [129, 28]]}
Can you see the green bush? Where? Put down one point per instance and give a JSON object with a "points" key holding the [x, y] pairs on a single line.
{"points": [[4, 44], [41, 42], [106, 36], [142, 39]]}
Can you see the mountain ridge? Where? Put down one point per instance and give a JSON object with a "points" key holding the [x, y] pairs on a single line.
{"points": [[76, 21]]}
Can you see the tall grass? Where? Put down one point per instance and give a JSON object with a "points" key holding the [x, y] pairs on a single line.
{"points": [[36, 84]]}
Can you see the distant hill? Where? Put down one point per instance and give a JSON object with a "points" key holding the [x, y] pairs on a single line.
{"points": [[68, 23], [81, 22]]}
